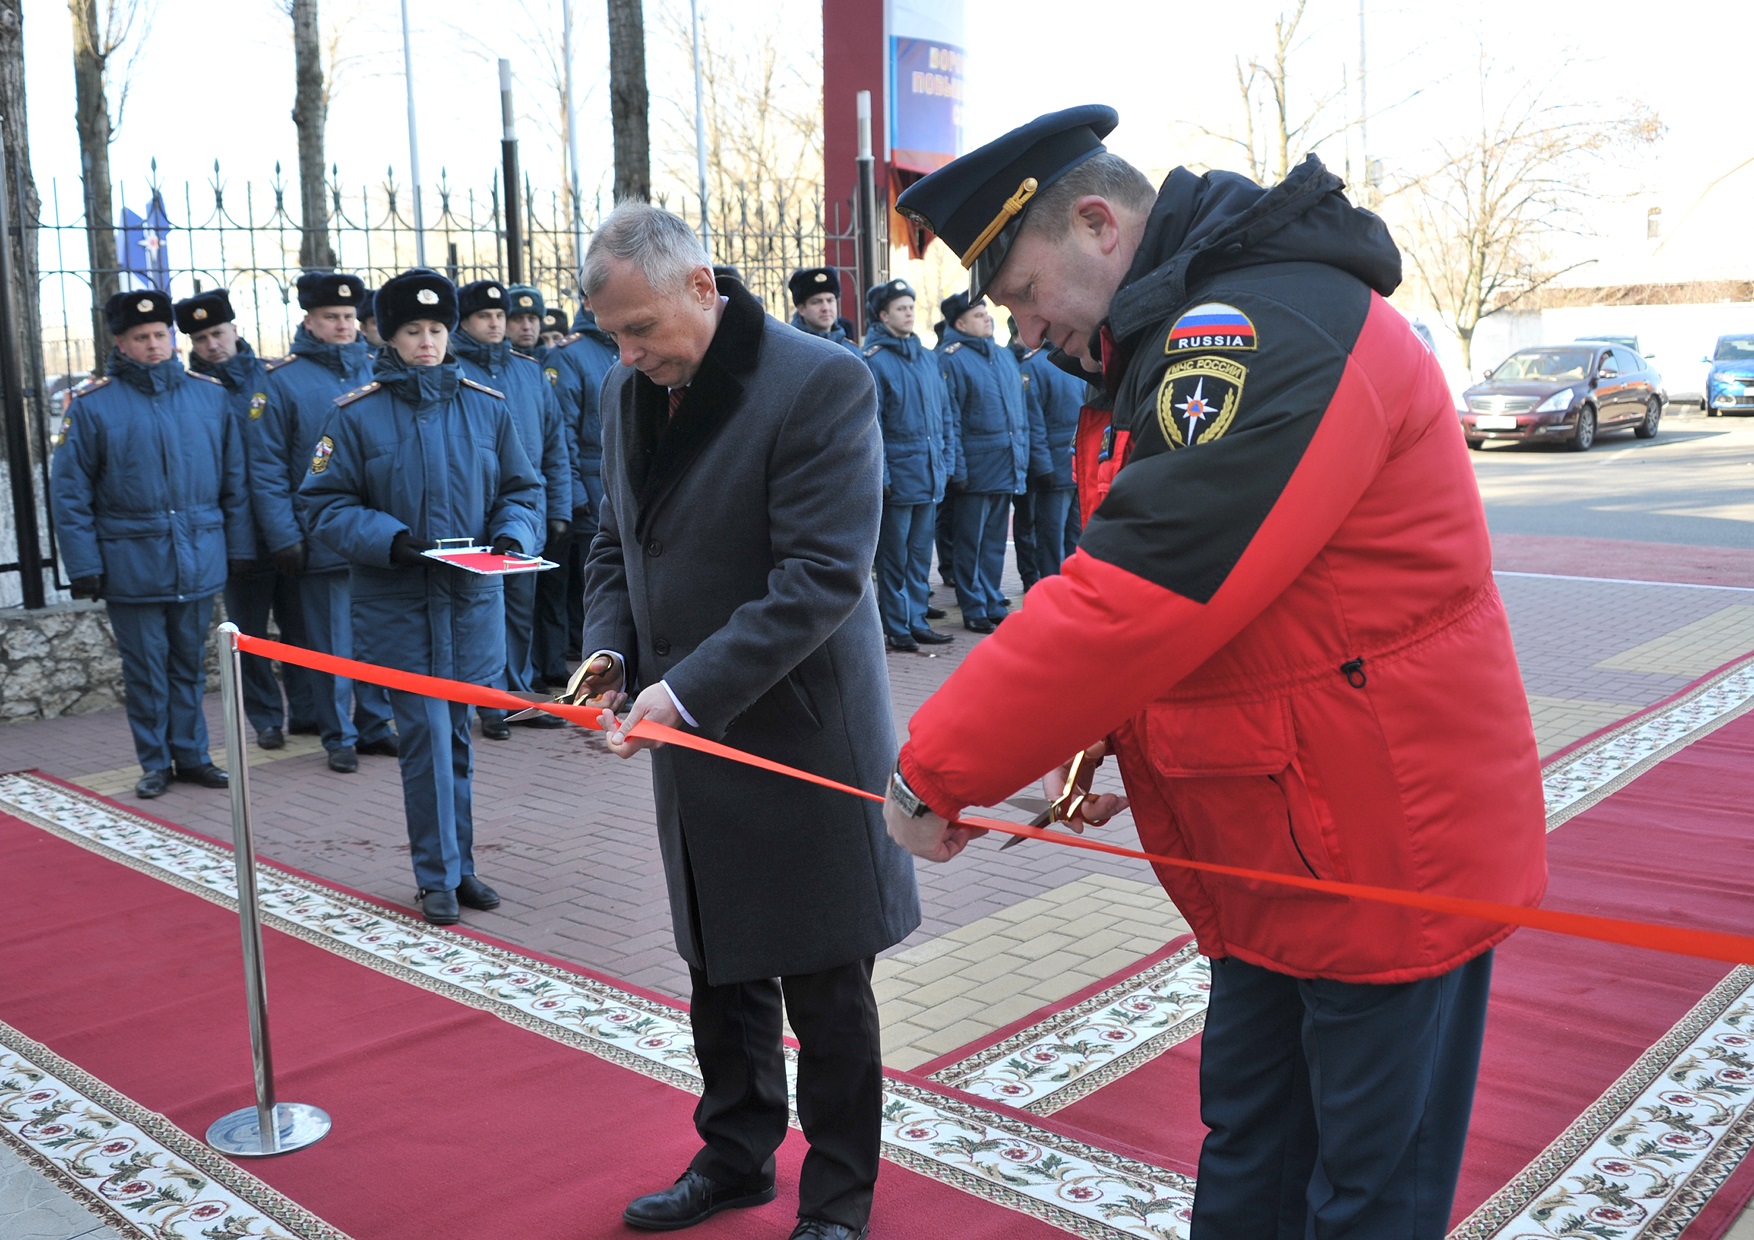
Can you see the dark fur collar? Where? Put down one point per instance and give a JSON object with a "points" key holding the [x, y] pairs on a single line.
{"points": [[659, 451]]}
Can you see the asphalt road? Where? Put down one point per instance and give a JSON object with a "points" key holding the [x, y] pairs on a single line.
{"points": [[1692, 484]]}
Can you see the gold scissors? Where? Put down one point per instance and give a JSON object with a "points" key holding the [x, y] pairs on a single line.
{"points": [[1062, 808], [568, 697]]}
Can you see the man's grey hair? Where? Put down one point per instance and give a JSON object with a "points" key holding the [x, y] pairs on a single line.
{"points": [[1105, 175], [661, 245]]}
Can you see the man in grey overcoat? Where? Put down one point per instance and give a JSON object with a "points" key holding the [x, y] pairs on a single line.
{"points": [[729, 585]]}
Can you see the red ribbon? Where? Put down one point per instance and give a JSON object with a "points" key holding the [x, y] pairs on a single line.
{"points": [[1705, 944]]}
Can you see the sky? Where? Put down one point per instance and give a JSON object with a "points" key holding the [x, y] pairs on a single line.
{"points": [[215, 81]]}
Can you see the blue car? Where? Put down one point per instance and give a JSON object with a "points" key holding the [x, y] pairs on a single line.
{"points": [[1729, 384]]}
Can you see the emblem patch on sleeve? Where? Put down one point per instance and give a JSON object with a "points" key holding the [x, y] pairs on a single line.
{"points": [[1213, 325], [553, 375], [320, 458], [258, 403], [1198, 399]]}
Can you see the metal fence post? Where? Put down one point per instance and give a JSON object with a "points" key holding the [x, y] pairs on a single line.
{"points": [[269, 1127]]}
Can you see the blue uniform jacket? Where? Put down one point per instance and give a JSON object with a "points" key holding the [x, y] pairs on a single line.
{"points": [[245, 377], [913, 410], [986, 391], [148, 484], [302, 389], [836, 334], [422, 450], [1058, 398], [535, 411], [580, 364]]}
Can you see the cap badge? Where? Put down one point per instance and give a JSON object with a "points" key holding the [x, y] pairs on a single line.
{"points": [[200, 313], [822, 277], [492, 294], [525, 301], [426, 297], [143, 306], [343, 291]]}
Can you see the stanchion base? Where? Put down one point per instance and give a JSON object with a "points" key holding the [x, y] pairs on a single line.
{"points": [[240, 1133]]}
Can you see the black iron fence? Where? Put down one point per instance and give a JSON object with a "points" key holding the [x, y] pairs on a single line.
{"points": [[245, 238]]}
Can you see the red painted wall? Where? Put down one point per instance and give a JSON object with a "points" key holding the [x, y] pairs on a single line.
{"points": [[852, 60]]}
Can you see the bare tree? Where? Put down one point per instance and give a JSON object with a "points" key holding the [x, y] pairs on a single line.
{"points": [[101, 30], [23, 203], [310, 114], [1482, 223], [1278, 128], [629, 100]]}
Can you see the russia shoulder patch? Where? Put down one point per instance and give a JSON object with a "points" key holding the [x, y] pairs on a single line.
{"points": [[1212, 325], [258, 402], [320, 458], [552, 373]]}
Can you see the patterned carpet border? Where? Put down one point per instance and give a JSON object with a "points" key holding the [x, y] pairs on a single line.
{"points": [[129, 1166]]}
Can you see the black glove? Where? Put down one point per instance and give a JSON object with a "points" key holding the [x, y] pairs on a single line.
{"points": [[88, 587], [504, 544], [239, 568], [290, 562], [582, 515], [405, 549], [558, 530]]}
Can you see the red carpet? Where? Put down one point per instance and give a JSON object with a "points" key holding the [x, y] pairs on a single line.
{"points": [[1568, 1017], [448, 1121]]}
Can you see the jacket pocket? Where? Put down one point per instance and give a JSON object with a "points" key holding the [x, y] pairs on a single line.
{"points": [[787, 709], [1231, 776]]}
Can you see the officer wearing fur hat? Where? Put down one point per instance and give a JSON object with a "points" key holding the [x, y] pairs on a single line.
{"points": [[217, 351], [368, 322], [554, 327], [420, 453], [147, 487], [525, 319], [481, 348], [919, 460], [327, 359], [816, 301]]}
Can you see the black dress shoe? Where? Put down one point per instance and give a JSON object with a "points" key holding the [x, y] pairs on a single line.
{"points": [[208, 776], [692, 1199], [473, 893], [905, 645], [998, 618], [542, 719], [495, 729], [152, 784], [1004, 602], [438, 907], [978, 626], [271, 738], [384, 747], [344, 760], [936, 613], [304, 729], [822, 1229], [932, 637]]}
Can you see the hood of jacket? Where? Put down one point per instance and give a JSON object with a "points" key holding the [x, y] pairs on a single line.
{"points": [[343, 359], [153, 380], [1202, 226], [908, 346], [585, 323], [234, 371], [981, 344], [494, 357], [420, 386]]}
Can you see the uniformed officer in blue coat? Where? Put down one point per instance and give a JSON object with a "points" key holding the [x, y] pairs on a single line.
{"points": [[554, 327], [328, 359], [368, 323], [217, 351], [581, 362], [1058, 399], [418, 454], [525, 317], [816, 304], [986, 391], [919, 459], [486, 356], [147, 486]]}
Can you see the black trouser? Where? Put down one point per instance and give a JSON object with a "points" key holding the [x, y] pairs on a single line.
{"points": [[1023, 537], [742, 1112]]}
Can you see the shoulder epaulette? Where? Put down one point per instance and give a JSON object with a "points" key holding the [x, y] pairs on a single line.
{"points": [[89, 386], [482, 387], [276, 363], [525, 356], [566, 340], [951, 348], [872, 351], [356, 393], [196, 374]]}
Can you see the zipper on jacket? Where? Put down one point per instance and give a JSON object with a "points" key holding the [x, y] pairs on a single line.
{"points": [[1353, 671], [1301, 855]]}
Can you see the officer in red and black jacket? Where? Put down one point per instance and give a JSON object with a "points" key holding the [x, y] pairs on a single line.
{"points": [[1281, 619]]}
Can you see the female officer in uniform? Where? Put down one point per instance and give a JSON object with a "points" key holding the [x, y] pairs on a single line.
{"points": [[416, 455]]}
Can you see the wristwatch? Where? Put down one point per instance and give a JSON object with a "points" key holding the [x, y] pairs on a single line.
{"points": [[905, 797]]}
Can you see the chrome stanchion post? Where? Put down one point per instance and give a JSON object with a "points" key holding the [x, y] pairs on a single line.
{"points": [[268, 1127]]}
